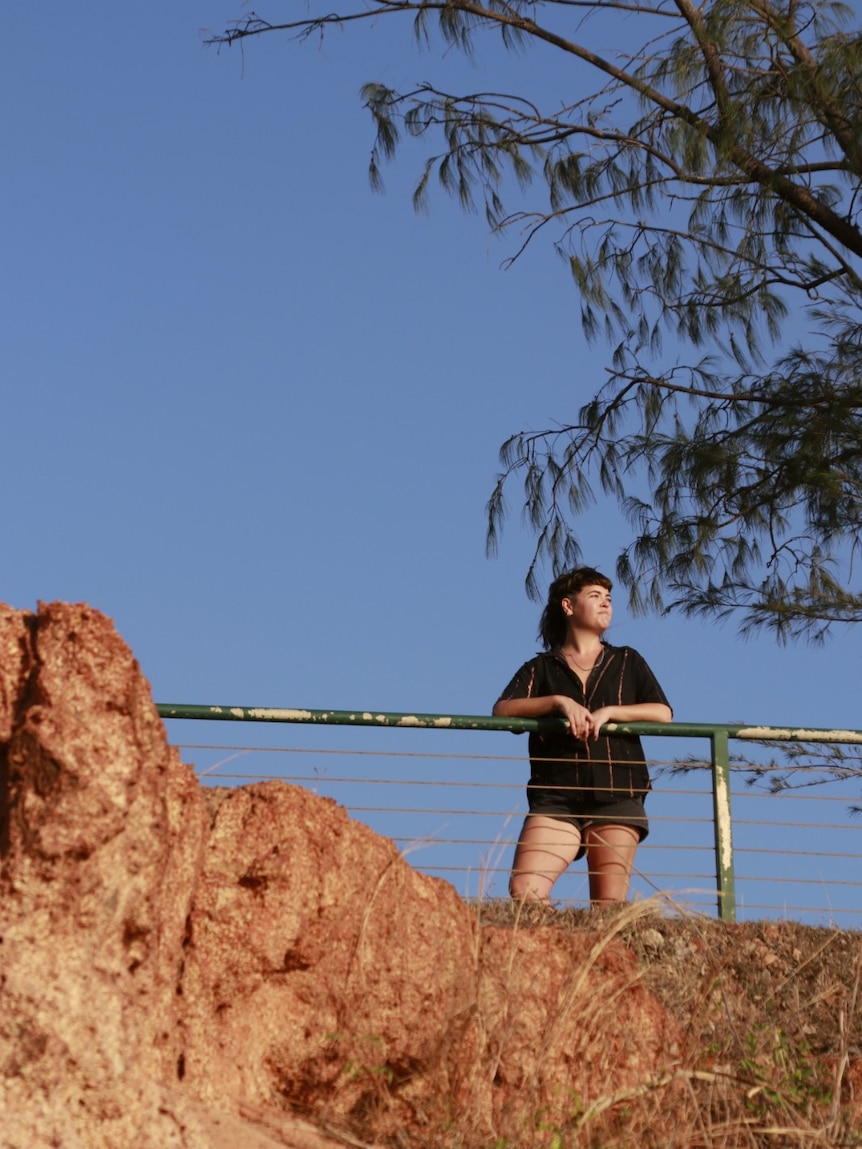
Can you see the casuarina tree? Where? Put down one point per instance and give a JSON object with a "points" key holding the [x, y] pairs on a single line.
{"points": [[705, 188]]}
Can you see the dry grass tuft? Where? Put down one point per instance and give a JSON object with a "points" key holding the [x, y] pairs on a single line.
{"points": [[759, 1047], [769, 1012]]}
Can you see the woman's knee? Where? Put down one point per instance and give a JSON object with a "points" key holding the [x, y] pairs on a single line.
{"points": [[527, 887], [546, 848]]}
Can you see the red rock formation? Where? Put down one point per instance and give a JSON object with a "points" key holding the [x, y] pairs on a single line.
{"points": [[103, 830], [321, 955], [189, 968]]}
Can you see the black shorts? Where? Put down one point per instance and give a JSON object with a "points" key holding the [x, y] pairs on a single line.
{"points": [[582, 811]]}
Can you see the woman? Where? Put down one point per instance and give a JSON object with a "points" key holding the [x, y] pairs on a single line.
{"points": [[587, 790]]}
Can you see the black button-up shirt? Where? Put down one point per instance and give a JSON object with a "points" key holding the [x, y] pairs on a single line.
{"points": [[610, 766]]}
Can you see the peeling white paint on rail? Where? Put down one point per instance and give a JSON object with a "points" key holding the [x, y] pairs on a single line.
{"points": [[802, 735], [276, 715], [442, 722], [724, 823], [409, 720]]}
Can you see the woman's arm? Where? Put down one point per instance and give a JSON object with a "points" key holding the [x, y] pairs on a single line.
{"points": [[526, 707], [636, 712], [579, 718]]}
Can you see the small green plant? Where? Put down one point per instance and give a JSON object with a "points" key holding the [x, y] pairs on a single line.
{"points": [[365, 1060], [782, 1075]]}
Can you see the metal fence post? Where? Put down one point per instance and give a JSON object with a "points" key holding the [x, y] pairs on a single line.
{"points": [[723, 826]]}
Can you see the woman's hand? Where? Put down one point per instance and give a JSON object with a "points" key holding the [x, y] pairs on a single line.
{"points": [[581, 722], [600, 717]]}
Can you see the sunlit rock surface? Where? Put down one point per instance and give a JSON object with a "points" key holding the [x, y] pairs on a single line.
{"points": [[250, 967]]}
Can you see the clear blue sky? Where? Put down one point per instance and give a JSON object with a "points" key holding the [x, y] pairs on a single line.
{"points": [[251, 410]]}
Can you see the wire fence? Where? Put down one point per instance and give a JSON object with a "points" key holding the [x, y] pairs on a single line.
{"points": [[456, 814]]}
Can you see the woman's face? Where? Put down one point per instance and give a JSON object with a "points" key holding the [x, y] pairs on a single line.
{"points": [[589, 609]]}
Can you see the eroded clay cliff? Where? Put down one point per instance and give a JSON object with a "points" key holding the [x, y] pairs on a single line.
{"points": [[198, 968]]}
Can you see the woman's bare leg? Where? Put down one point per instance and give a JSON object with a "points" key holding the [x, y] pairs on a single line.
{"points": [[546, 848], [610, 857]]}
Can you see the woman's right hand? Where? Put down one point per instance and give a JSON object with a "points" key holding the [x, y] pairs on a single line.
{"points": [[579, 718]]}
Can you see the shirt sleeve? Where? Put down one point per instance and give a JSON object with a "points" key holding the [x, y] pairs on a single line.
{"points": [[647, 686], [524, 684]]}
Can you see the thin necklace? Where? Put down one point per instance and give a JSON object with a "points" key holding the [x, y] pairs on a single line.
{"points": [[585, 669]]}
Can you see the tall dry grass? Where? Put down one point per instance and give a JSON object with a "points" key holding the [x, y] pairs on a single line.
{"points": [[763, 1042]]}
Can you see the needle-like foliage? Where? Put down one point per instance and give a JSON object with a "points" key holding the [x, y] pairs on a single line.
{"points": [[705, 191]]}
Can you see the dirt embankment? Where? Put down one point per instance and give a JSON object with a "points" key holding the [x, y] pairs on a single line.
{"points": [[210, 968]]}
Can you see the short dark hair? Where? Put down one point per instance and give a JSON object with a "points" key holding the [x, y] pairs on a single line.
{"points": [[552, 627]]}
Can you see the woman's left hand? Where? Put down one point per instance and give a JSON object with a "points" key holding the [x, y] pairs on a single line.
{"points": [[598, 718]]}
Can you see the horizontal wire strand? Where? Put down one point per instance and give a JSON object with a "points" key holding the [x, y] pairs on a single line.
{"points": [[481, 870]]}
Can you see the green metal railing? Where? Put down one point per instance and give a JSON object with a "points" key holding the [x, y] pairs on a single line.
{"points": [[718, 735]]}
